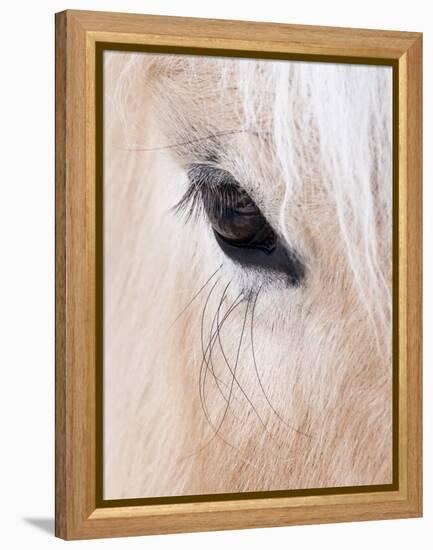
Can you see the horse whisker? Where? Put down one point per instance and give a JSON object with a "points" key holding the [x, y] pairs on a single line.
{"points": [[235, 367], [262, 422], [203, 404], [297, 430], [210, 346], [195, 296]]}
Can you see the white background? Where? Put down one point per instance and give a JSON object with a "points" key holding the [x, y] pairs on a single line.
{"points": [[27, 271]]}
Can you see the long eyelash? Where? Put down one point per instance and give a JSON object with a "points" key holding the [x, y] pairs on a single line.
{"points": [[211, 191], [216, 201], [190, 205]]}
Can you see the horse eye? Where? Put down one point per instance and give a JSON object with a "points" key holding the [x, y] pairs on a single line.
{"points": [[237, 220], [239, 227]]}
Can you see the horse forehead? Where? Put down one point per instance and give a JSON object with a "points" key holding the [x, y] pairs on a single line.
{"points": [[216, 88], [208, 113]]}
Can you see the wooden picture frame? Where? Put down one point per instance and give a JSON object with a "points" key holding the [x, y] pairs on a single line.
{"points": [[80, 38]]}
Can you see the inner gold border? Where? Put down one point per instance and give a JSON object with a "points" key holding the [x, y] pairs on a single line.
{"points": [[100, 48]]}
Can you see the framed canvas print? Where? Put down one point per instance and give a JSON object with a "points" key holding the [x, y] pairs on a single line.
{"points": [[238, 274]]}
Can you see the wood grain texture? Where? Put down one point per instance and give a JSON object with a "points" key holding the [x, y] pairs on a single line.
{"points": [[413, 288], [247, 35], [60, 263], [77, 515], [75, 286]]}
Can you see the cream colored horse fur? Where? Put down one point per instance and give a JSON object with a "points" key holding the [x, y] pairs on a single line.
{"points": [[297, 389]]}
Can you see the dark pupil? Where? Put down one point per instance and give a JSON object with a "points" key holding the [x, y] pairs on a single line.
{"points": [[236, 218], [239, 227], [231, 211]]}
